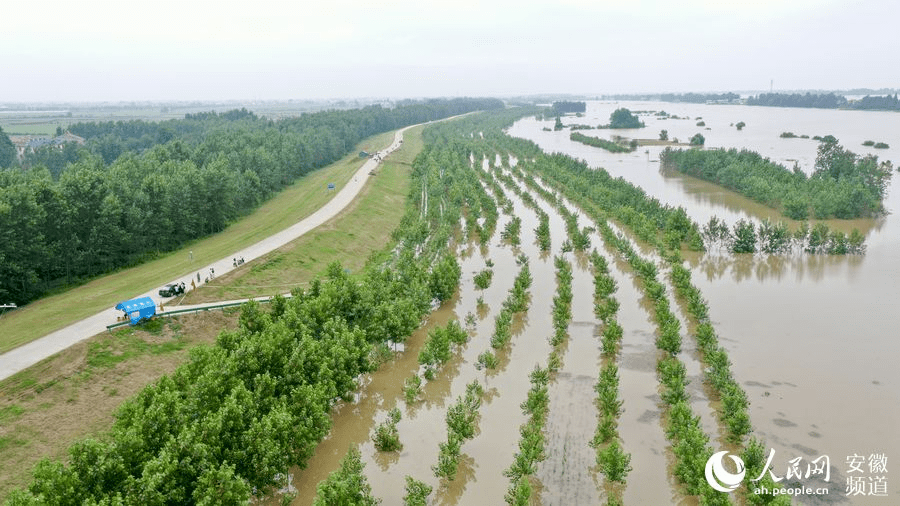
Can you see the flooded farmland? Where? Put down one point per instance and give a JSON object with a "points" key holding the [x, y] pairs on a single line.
{"points": [[810, 337]]}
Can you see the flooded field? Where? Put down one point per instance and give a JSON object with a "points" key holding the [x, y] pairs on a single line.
{"points": [[812, 339]]}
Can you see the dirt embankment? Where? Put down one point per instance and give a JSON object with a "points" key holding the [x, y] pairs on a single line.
{"points": [[75, 393]]}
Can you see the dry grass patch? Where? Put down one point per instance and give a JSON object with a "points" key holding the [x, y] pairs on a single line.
{"points": [[75, 393]]}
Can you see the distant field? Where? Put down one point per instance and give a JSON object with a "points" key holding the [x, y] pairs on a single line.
{"points": [[28, 128], [297, 201], [18, 120]]}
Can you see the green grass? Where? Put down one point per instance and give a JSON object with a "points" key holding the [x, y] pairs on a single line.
{"points": [[124, 345], [361, 230], [10, 413], [28, 127], [8, 442], [294, 203]]}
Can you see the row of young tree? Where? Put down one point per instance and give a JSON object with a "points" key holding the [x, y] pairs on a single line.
{"points": [[542, 232], [689, 442], [843, 185], [98, 216], [612, 147], [228, 424], [612, 460], [776, 238]]}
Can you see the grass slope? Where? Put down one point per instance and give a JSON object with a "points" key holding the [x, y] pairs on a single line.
{"points": [[294, 203], [75, 393]]}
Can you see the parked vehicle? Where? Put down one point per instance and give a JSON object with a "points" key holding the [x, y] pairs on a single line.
{"points": [[171, 290]]}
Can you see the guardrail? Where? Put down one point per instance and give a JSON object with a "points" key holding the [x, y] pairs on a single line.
{"points": [[191, 310]]}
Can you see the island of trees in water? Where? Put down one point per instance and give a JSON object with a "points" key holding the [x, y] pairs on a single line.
{"points": [[843, 185], [612, 147], [139, 188], [623, 118]]}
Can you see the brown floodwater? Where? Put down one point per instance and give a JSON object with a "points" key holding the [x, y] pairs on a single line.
{"points": [[480, 478], [813, 339]]}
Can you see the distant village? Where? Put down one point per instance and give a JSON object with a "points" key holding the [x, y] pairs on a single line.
{"points": [[30, 143]]}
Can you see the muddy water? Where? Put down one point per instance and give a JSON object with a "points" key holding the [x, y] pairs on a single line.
{"points": [[480, 478], [567, 473], [812, 339]]}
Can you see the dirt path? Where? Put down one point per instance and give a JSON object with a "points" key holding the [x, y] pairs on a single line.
{"points": [[29, 354]]}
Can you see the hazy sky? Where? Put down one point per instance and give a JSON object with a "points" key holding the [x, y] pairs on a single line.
{"points": [[101, 50]]}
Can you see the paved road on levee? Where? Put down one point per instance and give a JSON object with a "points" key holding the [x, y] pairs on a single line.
{"points": [[31, 353]]}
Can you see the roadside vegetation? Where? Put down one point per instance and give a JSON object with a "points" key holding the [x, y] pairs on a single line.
{"points": [[308, 351], [68, 386], [142, 189]]}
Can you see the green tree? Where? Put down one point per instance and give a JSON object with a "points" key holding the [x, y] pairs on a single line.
{"points": [[698, 140], [7, 150], [346, 486], [663, 135], [744, 237], [386, 437], [740, 125], [417, 492], [623, 118], [614, 462]]}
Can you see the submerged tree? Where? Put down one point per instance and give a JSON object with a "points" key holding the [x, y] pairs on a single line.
{"points": [[347, 485], [623, 118]]}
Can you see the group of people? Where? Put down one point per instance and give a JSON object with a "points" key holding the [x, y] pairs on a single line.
{"points": [[236, 261]]}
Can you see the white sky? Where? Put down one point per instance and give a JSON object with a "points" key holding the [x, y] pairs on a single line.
{"points": [[99, 50]]}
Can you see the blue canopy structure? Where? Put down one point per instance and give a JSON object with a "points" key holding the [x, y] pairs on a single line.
{"points": [[138, 309]]}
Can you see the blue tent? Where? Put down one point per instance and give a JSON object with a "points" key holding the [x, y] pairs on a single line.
{"points": [[138, 309]]}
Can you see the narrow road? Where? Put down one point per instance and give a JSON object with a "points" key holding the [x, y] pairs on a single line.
{"points": [[31, 353]]}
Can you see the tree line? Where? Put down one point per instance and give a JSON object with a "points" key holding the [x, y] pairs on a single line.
{"points": [[228, 424], [826, 101], [612, 147], [843, 185], [821, 101], [563, 107], [99, 215]]}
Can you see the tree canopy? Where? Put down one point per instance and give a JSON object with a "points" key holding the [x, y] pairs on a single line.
{"points": [[821, 101], [7, 150], [843, 185], [623, 118], [140, 188]]}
